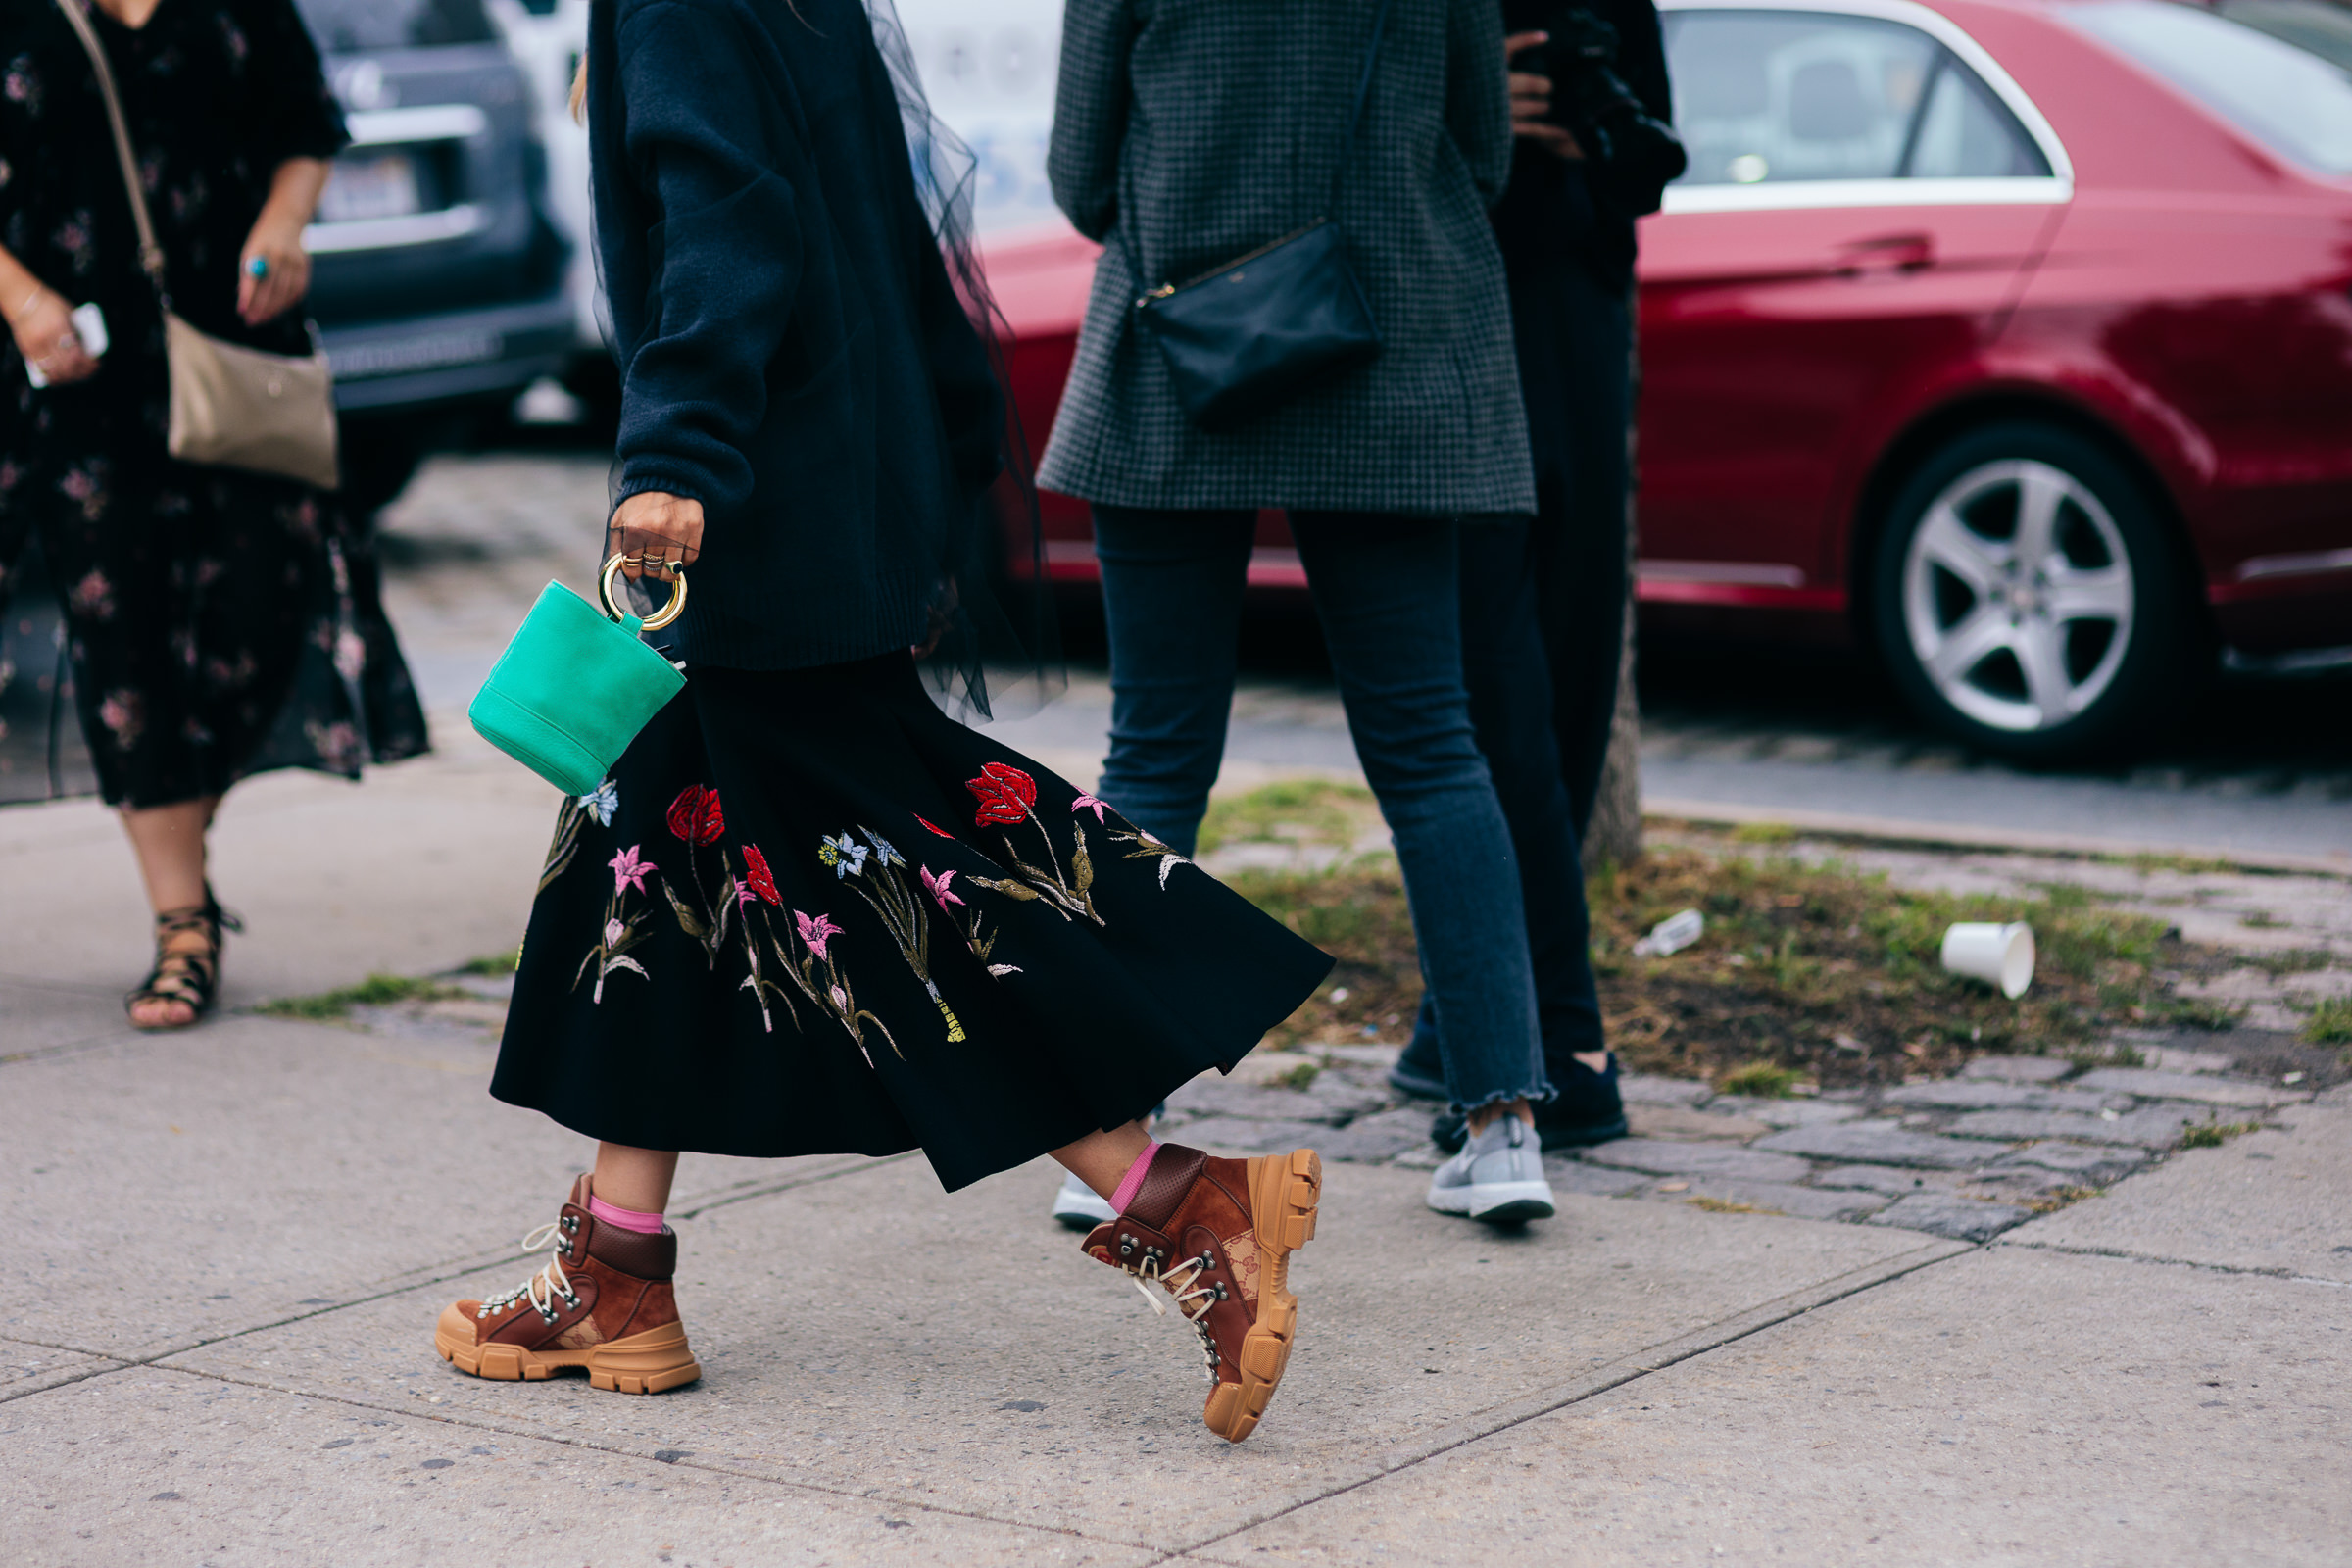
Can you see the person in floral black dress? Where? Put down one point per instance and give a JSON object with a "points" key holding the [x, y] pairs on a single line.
{"points": [[217, 622], [807, 911]]}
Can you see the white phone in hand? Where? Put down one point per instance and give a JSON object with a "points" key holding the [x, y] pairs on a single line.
{"points": [[90, 325]]}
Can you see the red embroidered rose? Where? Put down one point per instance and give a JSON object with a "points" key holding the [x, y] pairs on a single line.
{"points": [[756, 874], [695, 816], [1005, 794], [936, 828]]}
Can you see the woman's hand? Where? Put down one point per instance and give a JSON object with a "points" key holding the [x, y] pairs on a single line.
{"points": [[1531, 101], [45, 336], [656, 529], [274, 273]]}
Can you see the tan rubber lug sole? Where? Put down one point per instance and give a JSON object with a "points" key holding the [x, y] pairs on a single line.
{"points": [[1283, 1192], [650, 1362]]}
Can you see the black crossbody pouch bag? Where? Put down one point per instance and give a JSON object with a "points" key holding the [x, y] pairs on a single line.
{"points": [[1244, 337]]}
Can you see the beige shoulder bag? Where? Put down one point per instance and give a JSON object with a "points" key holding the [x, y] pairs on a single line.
{"points": [[231, 407]]}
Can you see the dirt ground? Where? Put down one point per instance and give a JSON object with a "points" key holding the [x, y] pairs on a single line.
{"points": [[1812, 971]]}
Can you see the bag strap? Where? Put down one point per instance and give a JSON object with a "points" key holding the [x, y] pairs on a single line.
{"points": [[151, 254], [1355, 119], [1363, 95]]}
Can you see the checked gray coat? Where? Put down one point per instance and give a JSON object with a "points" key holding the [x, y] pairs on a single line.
{"points": [[1200, 130]]}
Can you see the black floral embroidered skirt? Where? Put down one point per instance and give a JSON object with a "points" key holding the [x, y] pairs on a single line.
{"points": [[811, 913]]}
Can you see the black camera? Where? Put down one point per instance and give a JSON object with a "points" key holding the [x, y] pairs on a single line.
{"points": [[1633, 154]]}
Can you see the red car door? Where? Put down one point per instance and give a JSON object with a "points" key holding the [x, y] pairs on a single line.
{"points": [[1866, 192]]}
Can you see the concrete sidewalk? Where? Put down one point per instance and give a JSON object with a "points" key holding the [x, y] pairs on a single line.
{"points": [[229, 1246]]}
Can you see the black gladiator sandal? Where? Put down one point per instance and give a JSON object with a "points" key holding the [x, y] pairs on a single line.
{"points": [[183, 974]]}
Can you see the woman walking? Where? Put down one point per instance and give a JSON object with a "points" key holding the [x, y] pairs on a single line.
{"points": [[218, 621], [807, 912], [1186, 135]]}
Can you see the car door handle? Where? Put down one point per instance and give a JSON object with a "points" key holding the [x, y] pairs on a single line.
{"points": [[1882, 254]]}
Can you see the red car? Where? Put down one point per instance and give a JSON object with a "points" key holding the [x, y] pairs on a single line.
{"points": [[2010, 338]]}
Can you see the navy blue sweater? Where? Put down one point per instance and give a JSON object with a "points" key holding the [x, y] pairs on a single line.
{"points": [[792, 352]]}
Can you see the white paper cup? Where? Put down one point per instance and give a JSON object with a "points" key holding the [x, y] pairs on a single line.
{"points": [[1999, 954]]}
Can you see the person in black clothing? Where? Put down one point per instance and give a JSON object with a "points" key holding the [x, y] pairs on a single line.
{"points": [[1544, 599], [216, 623], [809, 912]]}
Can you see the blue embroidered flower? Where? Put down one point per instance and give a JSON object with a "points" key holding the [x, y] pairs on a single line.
{"points": [[602, 803], [890, 857], [845, 855]]}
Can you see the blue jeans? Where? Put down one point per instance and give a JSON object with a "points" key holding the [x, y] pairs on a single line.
{"points": [[1386, 590], [1544, 612]]}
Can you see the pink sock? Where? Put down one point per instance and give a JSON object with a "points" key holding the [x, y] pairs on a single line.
{"points": [[628, 1219], [1133, 1181]]}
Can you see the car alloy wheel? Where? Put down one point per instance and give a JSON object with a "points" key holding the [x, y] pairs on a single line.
{"points": [[2018, 596], [2029, 596]]}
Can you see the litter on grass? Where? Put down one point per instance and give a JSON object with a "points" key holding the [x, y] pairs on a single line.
{"points": [[1672, 934]]}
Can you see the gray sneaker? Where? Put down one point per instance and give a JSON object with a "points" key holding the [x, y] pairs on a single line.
{"points": [[1498, 1177]]}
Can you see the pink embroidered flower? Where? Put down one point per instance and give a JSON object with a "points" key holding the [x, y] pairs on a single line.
{"points": [[841, 1004], [695, 816], [93, 596], [938, 888], [1005, 794], [936, 828], [758, 877], [613, 932], [817, 930], [629, 869], [1088, 802]]}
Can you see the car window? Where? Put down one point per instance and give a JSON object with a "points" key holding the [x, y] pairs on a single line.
{"points": [[1964, 132], [343, 27], [2284, 96], [1777, 96]]}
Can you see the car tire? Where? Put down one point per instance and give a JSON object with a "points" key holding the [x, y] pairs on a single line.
{"points": [[2028, 596]]}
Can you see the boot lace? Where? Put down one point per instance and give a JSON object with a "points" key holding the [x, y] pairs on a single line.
{"points": [[551, 1284], [1192, 1294]]}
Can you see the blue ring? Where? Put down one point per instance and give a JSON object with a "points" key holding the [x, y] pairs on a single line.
{"points": [[259, 266]]}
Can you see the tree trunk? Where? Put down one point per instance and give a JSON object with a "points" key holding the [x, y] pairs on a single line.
{"points": [[1614, 835]]}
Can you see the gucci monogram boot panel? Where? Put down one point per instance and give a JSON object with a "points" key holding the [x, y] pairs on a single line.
{"points": [[603, 1301], [1216, 1235]]}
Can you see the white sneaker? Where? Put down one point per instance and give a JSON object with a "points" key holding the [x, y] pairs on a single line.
{"points": [[1498, 1177], [1080, 1207]]}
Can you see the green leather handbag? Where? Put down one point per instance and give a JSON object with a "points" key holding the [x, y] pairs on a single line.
{"points": [[576, 685]]}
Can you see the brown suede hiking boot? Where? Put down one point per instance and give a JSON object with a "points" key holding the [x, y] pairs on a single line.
{"points": [[602, 1301], [1217, 1235]]}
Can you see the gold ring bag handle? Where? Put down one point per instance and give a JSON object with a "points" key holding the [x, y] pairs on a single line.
{"points": [[231, 407], [659, 617]]}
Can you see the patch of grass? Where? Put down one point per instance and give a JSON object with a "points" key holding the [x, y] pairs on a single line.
{"points": [[1810, 966], [490, 967], [1358, 916], [2052, 1201], [2260, 921], [2192, 1013], [376, 991], [1718, 1206], [2214, 1134], [1765, 1080], [2189, 863], [2289, 961], [1305, 810], [2329, 1023], [1301, 1076], [1763, 833]]}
